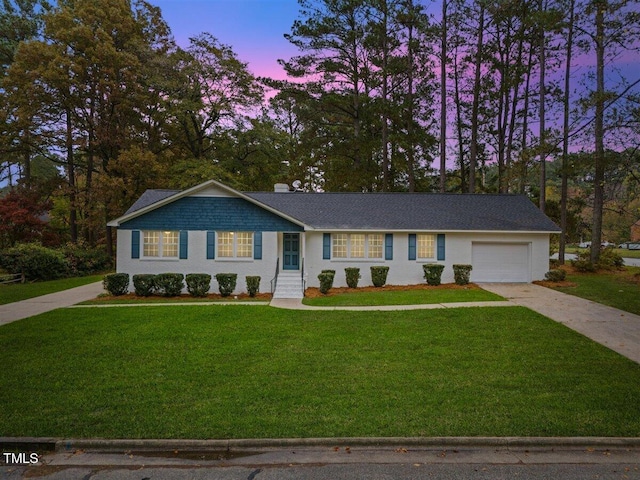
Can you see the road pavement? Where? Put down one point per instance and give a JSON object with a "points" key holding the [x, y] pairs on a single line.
{"points": [[341, 462], [629, 262]]}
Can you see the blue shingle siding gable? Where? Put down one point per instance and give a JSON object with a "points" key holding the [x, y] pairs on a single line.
{"points": [[211, 213]]}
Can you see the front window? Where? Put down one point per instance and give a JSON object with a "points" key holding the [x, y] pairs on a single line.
{"points": [[244, 245], [339, 245], [225, 244], [160, 244], [375, 245], [426, 246], [235, 244], [357, 245]]}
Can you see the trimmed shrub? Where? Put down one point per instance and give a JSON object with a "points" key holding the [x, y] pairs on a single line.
{"points": [[333, 272], [379, 276], [609, 259], [326, 281], [169, 284], [86, 261], [35, 262], [198, 284], [116, 283], [583, 266], [144, 284], [433, 273], [253, 285], [353, 275], [555, 275], [462, 274], [226, 283]]}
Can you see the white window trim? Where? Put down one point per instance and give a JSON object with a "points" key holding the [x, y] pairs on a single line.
{"points": [[234, 257], [366, 257], [161, 257]]}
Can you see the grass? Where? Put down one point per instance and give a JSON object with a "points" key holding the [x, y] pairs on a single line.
{"points": [[15, 292], [623, 252], [404, 297], [617, 289], [259, 372]]}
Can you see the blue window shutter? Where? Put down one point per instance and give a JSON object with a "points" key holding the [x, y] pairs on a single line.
{"points": [[184, 241], [412, 246], [441, 246], [388, 246], [135, 244], [326, 246], [257, 245], [211, 245]]}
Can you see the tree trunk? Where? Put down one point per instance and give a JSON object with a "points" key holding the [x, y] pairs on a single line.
{"points": [[443, 100], [410, 120], [26, 159], [598, 181], [386, 167], [525, 126], [109, 240], [564, 189], [473, 154], [514, 103], [458, 104], [543, 155], [71, 172]]}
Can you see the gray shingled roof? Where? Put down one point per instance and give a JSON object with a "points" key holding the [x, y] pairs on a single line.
{"points": [[410, 211], [396, 211], [149, 197]]}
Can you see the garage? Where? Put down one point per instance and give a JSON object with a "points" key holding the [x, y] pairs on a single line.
{"points": [[501, 262]]}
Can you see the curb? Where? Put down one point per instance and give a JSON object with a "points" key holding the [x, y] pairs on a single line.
{"points": [[51, 444]]}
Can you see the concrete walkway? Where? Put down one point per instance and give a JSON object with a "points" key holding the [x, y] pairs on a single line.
{"points": [[35, 306], [296, 304], [613, 328]]}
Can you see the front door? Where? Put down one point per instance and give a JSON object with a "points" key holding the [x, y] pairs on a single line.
{"points": [[291, 251]]}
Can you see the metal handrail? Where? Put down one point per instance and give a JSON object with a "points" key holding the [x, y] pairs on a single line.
{"points": [[302, 278], [274, 280]]}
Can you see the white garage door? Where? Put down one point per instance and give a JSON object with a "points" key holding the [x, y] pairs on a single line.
{"points": [[500, 262]]}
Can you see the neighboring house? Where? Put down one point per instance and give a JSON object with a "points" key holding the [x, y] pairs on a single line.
{"points": [[635, 232], [212, 228]]}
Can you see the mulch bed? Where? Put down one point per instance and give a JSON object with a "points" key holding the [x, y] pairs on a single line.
{"points": [[187, 298], [565, 283], [313, 292]]}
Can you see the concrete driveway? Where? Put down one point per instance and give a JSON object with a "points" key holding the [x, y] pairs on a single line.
{"points": [[613, 328], [35, 306]]}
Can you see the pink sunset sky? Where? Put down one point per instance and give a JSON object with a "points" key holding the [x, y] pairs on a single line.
{"points": [[253, 28]]}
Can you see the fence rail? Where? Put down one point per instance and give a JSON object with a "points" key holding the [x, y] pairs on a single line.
{"points": [[11, 278]]}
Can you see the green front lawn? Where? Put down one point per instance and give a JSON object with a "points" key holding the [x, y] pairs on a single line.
{"points": [[404, 297], [623, 252], [619, 289], [14, 292], [245, 372]]}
